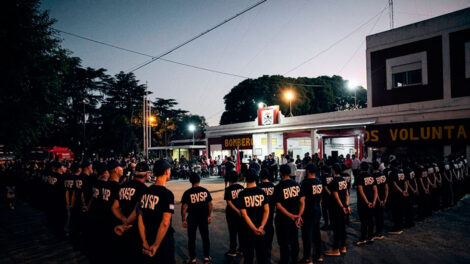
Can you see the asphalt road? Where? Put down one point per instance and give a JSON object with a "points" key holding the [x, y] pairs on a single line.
{"points": [[443, 238]]}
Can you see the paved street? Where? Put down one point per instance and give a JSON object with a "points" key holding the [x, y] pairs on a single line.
{"points": [[444, 238]]}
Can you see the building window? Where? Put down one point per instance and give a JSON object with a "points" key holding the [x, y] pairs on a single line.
{"points": [[467, 60], [408, 70]]}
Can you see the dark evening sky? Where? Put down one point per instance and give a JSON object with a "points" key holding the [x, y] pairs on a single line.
{"points": [[273, 38]]}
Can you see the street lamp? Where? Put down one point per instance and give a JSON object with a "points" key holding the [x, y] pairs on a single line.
{"points": [[353, 86], [289, 96], [192, 128], [261, 105]]}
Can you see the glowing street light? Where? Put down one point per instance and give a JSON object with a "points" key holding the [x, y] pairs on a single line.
{"points": [[192, 128], [289, 96], [261, 105], [353, 86]]}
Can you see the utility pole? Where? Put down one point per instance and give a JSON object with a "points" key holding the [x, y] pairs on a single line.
{"points": [[390, 12], [84, 129], [144, 122]]}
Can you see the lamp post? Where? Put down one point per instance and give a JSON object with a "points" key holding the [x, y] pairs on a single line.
{"points": [[261, 105], [289, 95], [84, 129], [192, 128], [353, 86]]}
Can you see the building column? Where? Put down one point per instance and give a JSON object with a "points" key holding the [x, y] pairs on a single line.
{"points": [[314, 142], [468, 152], [448, 150], [270, 143]]}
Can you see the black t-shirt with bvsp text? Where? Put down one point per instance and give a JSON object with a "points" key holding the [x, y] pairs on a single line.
{"points": [[130, 194], [156, 201], [288, 194], [312, 189], [268, 188], [367, 181], [397, 176], [253, 201], [326, 180], [231, 194], [340, 186], [381, 181], [197, 199]]}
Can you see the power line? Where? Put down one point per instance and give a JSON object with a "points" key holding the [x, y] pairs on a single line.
{"points": [[336, 43], [195, 37], [150, 56], [362, 43]]}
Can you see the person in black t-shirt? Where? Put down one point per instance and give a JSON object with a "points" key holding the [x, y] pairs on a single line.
{"points": [[399, 196], [157, 206], [447, 192], [57, 198], [339, 209], [197, 203], [268, 187], [312, 189], [424, 201], [109, 194], [347, 177], [366, 201], [413, 192], [382, 198], [124, 209], [290, 204], [70, 199], [232, 212], [254, 209], [327, 200]]}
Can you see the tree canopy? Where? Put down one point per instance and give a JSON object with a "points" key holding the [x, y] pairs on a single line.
{"points": [[311, 96]]}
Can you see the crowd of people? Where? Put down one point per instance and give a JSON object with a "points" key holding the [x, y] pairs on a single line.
{"points": [[109, 212]]}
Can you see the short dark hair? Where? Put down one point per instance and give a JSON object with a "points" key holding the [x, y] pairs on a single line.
{"points": [[264, 174], [250, 175], [311, 168], [233, 176], [284, 170], [336, 168]]}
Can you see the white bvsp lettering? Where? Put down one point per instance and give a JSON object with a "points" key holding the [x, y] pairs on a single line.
{"points": [[149, 201], [78, 184], [401, 176], [198, 197], [381, 179], [235, 193], [126, 193], [269, 191], [317, 189], [342, 185], [68, 184], [106, 193], [291, 192], [254, 200], [368, 181]]}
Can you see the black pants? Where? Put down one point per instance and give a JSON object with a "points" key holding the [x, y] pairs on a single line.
{"points": [[287, 237], [398, 210], [233, 222], [436, 198], [193, 225], [325, 208], [338, 223], [269, 236], [366, 218], [311, 232], [424, 205], [129, 246], [379, 219], [447, 193], [409, 214], [165, 253], [253, 243]]}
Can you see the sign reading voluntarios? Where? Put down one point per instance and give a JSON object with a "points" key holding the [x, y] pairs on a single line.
{"points": [[242, 141], [444, 132]]}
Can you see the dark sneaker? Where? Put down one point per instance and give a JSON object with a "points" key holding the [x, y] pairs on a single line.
{"points": [[191, 261], [398, 232], [360, 242], [319, 259], [231, 253], [325, 227], [207, 260], [343, 250]]}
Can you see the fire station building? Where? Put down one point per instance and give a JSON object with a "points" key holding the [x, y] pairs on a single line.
{"points": [[418, 102]]}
